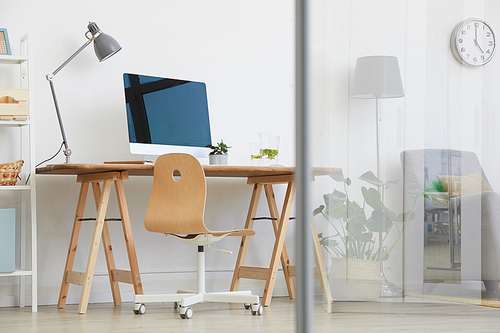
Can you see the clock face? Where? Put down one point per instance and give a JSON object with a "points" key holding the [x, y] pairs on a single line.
{"points": [[473, 42]]}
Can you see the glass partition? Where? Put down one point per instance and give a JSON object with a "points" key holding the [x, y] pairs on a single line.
{"points": [[412, 216]]}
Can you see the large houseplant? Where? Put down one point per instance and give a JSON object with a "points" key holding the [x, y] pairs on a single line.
{"points": [[361, 230]]}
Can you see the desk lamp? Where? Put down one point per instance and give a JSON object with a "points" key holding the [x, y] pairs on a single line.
{"points": [[104, 46], [379, 77]]}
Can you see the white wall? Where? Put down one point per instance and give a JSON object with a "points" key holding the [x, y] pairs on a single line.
{"points": [[243, 51]]}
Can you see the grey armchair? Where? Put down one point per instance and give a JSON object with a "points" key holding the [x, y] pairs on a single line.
{"points": [[481, 205]]}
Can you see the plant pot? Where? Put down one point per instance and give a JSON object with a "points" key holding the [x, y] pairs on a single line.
{"points": [[217, 159], [355, 279]]}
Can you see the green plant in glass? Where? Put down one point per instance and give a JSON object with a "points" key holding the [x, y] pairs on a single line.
{"points": [[363, 228], [220, 148], [270, 153]]}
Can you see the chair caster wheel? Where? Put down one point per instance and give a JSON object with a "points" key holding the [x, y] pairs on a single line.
{"points": [[176, 305], [257, 309], [139, 308], [247, 306], [186, 312]]}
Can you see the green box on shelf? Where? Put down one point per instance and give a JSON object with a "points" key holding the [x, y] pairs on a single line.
{"points": [[7, 240]]}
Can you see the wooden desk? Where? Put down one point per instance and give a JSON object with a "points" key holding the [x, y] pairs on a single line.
{"points": [[258, 176]]}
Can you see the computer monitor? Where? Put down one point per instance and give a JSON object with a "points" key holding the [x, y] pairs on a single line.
{"points": [[166, 116]]}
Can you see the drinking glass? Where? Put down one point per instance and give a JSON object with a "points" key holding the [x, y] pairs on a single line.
{"points": [[256, 153]]}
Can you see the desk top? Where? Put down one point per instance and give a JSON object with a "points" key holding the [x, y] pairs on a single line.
{"points": [[135, 169]]}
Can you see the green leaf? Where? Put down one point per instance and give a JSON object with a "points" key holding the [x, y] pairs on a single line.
{"points": [[438, 198], [369, 177], [338, 212], [329, 242], [318, 210], [417, 193], [406, 216], [392, 216], [391, 183], [334, 199], [352, 209], [356, 224], [379, 222], [367, 237], [372, 198], [339, 177]]}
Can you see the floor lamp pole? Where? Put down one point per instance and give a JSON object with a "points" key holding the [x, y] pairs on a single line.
{"points": [[388, 289], [377, 101]]}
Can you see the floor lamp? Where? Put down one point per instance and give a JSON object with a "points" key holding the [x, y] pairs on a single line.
{"points": [[377, 77], [104, 46]]}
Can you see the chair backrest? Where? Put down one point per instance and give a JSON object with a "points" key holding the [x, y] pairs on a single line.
{"points": [[177, 202], [422, 166]]}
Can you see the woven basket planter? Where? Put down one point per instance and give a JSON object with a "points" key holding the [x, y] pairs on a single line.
{"points": [[9, 172], [355, 279]]}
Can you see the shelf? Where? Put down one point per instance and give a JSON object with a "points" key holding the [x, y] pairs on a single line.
{"points": [[14, 123], [24, 195], [15, 188], [12, 60], [18, 272]]}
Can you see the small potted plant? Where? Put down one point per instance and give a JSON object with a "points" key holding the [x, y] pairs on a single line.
{"points": [[218, 155]]}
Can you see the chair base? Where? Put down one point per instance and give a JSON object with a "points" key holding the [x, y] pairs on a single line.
{"points": [[185, 299]]}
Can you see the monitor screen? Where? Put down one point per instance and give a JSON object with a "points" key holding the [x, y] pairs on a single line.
{"points": [[166, 115]]}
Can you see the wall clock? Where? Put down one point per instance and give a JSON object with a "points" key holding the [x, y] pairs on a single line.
{"points": [[473, 42]]}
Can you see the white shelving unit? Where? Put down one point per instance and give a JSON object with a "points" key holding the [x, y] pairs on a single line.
{"points": [[25, 190]]}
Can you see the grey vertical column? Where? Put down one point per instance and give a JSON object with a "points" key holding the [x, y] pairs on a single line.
{"points": [[303, 173]]}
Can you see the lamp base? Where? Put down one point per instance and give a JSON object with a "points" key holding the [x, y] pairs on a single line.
{"points": [[390, 290], [67, 153]]}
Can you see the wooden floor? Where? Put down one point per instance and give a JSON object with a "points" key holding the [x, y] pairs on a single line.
{"points": [[280, 317]]}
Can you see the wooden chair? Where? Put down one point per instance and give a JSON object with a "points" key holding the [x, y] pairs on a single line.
{"points": [[176, 207]]}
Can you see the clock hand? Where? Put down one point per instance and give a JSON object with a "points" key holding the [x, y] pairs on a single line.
{"points": [[480, 49], [475, 40]]}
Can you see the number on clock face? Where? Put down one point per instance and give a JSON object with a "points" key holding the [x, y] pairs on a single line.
{"points": [[473, 42]]}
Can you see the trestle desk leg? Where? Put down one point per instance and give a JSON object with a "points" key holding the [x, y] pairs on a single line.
{"points": [[73, 244]]}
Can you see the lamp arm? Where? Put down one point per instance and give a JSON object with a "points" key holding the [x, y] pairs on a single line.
{"points": [[89, 40], [50, 78], [67, 151]]}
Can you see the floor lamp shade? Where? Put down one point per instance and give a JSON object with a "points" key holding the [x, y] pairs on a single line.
{"points": [[377, 77]]}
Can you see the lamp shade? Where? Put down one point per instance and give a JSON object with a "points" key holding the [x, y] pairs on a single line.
{"points": [[377, 77], [104, 45]]}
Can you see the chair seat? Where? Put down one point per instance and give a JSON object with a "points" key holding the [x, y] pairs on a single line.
{"points": [[211, 237], [235, 232]]}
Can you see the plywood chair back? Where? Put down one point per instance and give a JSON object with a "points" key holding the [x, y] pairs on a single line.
{"points": [[177, 202]]}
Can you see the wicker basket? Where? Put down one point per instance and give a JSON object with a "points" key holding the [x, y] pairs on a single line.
{"points": [[355, 279], [9, 172]]}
